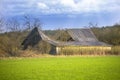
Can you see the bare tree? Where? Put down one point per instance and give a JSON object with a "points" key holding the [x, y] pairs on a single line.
{"points": [[37, 23], [1, 24], [13, 25], [30, 22], [91, 25], [27, 22]]}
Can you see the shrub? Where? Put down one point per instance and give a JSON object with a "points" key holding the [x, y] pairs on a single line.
{"points": [[9, 46], [42, 47]]}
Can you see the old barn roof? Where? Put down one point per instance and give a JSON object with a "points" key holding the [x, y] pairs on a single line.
{"points": [[81, 37]]}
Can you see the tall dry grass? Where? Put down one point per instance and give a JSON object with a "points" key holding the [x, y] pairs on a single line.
{"points": [[83, 50], [115, 50]]}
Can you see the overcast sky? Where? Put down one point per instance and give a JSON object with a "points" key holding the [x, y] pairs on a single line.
{"points": [[56, 14]]}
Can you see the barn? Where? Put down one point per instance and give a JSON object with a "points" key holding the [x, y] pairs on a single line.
{"points": [[83, 42]]}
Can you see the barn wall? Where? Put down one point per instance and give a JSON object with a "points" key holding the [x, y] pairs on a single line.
{"points": [[83, 50]]}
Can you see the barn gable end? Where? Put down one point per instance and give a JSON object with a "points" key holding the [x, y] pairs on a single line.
{"points": [[32, 39]]}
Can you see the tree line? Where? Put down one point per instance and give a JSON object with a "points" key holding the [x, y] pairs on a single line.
{"points": [[108, 34], [13, 32]]}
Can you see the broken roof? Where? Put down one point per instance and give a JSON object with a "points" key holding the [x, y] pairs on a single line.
{"points": [[81, 37]]}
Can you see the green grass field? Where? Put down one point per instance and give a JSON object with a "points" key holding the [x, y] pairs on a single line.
{"points": [[61, 68]]}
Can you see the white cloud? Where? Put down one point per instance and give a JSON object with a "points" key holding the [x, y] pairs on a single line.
{"points": [[82, 6], [42, 6], [59, 6], [70, 3]]}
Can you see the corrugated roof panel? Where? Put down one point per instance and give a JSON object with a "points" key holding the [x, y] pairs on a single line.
{"points": [[80, 37]]}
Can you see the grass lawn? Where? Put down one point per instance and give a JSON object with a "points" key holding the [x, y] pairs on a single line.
{"points": [[61, 68]]}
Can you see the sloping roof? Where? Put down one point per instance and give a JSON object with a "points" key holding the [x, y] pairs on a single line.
{"points": [[82, 37]]}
